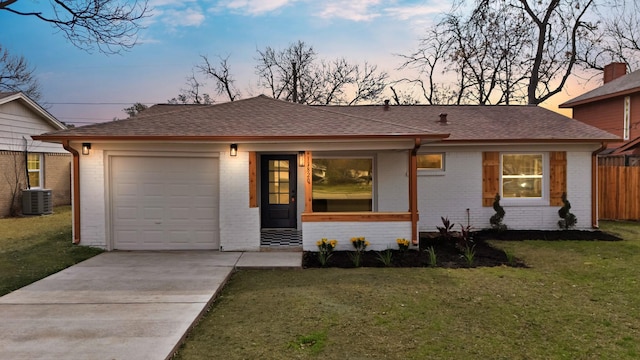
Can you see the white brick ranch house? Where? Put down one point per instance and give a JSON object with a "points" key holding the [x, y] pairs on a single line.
{"points": [[260, 172]]}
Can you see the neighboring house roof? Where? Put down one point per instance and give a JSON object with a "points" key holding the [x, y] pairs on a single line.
{"points": [[624, 85], [6, 97], [263, 117]]}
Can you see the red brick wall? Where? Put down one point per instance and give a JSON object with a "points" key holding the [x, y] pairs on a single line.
{"points": [[8, 173], [57, 177], [607, 115]]}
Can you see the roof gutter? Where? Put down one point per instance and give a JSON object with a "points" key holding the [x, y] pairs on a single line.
{"points": [[594, 186], [75, 172], [89, 138]]}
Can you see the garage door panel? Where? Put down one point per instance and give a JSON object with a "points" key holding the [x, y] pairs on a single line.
{"points": [[164, 203]]}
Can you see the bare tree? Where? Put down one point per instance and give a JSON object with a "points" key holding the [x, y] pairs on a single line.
{"points": [[225, 84], [432, 51], [108, 25], [479, 50], [503, 51], [559, 30], [16, 173], [288, 72], [192, 94], [369, 83], [296, 74], [17, 75], [617, 38], [135, 109]]}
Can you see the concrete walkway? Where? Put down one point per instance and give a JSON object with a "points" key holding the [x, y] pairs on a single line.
{"points": [[120, 305]]}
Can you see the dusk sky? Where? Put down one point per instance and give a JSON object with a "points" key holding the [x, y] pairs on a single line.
{"points": [[74, 82]]}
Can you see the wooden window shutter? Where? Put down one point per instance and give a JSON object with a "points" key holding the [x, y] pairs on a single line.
{"points": [[557, 177], [490, 176]]}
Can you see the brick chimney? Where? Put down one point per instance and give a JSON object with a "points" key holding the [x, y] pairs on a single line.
{"points": [[614, 71]]}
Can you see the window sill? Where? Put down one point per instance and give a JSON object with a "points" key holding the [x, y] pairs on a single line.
{"points": [[514, 202], [431, 172], [356, 216]]}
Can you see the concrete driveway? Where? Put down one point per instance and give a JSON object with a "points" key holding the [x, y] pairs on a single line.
{"points": [[120, 305]]}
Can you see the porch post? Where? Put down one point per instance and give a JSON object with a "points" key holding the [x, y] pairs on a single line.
{"points": [[308, 177]]}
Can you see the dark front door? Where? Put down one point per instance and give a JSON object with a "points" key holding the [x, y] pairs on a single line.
{"points": [[278, 189]]}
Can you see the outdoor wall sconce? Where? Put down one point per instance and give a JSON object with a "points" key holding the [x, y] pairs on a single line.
{"points": [[233, 150], [85, 148], [301, 158]]}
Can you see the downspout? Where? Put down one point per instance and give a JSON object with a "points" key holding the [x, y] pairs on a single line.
{"points": [[413, 191], [594, 186], [26, 162], [75, 172]]}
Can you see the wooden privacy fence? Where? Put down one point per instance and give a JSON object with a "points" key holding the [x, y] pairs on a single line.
{"points": [[619, 187]]}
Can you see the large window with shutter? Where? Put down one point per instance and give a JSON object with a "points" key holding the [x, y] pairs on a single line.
{"points": [[522, 176], [526, 176]]}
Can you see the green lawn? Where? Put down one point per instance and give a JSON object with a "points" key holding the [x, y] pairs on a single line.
{"points": [[578, 300], [34, 247]]}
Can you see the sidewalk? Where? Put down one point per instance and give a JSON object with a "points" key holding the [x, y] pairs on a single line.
{"points": [[120, 305]]}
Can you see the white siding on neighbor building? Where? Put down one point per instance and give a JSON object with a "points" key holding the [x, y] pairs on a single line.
{"points": [[239, 223], [16, 121], [392, 182], [460, 188], [381, 235]]}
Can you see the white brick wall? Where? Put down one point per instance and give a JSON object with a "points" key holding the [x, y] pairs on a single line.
{"points": [[92, 199], [381, 235], [460, 188], [392, 181], [239, 224]]}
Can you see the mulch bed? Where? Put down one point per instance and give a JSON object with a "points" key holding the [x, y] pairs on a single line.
{"points": [[448, 256]]}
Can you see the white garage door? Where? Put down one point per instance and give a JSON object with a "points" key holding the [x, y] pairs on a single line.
{"points": [[164, 203]]}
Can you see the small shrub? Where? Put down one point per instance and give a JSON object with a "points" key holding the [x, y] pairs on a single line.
{"points": [[496, 219], [567, 219], [385, 257], [325, 250], [445, 229], [432, 260], [511, 258], [469, 255], [465, 239], [403, 244]]}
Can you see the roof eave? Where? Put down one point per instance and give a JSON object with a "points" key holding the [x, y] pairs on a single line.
{"points": [[572, 103], [532, 141], [87, 138], [35, 107]]}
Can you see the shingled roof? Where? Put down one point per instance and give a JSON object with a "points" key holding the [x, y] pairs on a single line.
{"points": [[262, 117], [484, 123], [621, 86]]}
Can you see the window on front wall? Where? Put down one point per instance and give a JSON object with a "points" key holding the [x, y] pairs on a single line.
{"points": [[431, 162], [627, 118], [522, 175], [34, 169], [342, 184]]}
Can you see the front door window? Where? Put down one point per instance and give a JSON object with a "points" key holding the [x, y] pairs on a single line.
{"points": [[279, 182], [278, 191]]}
